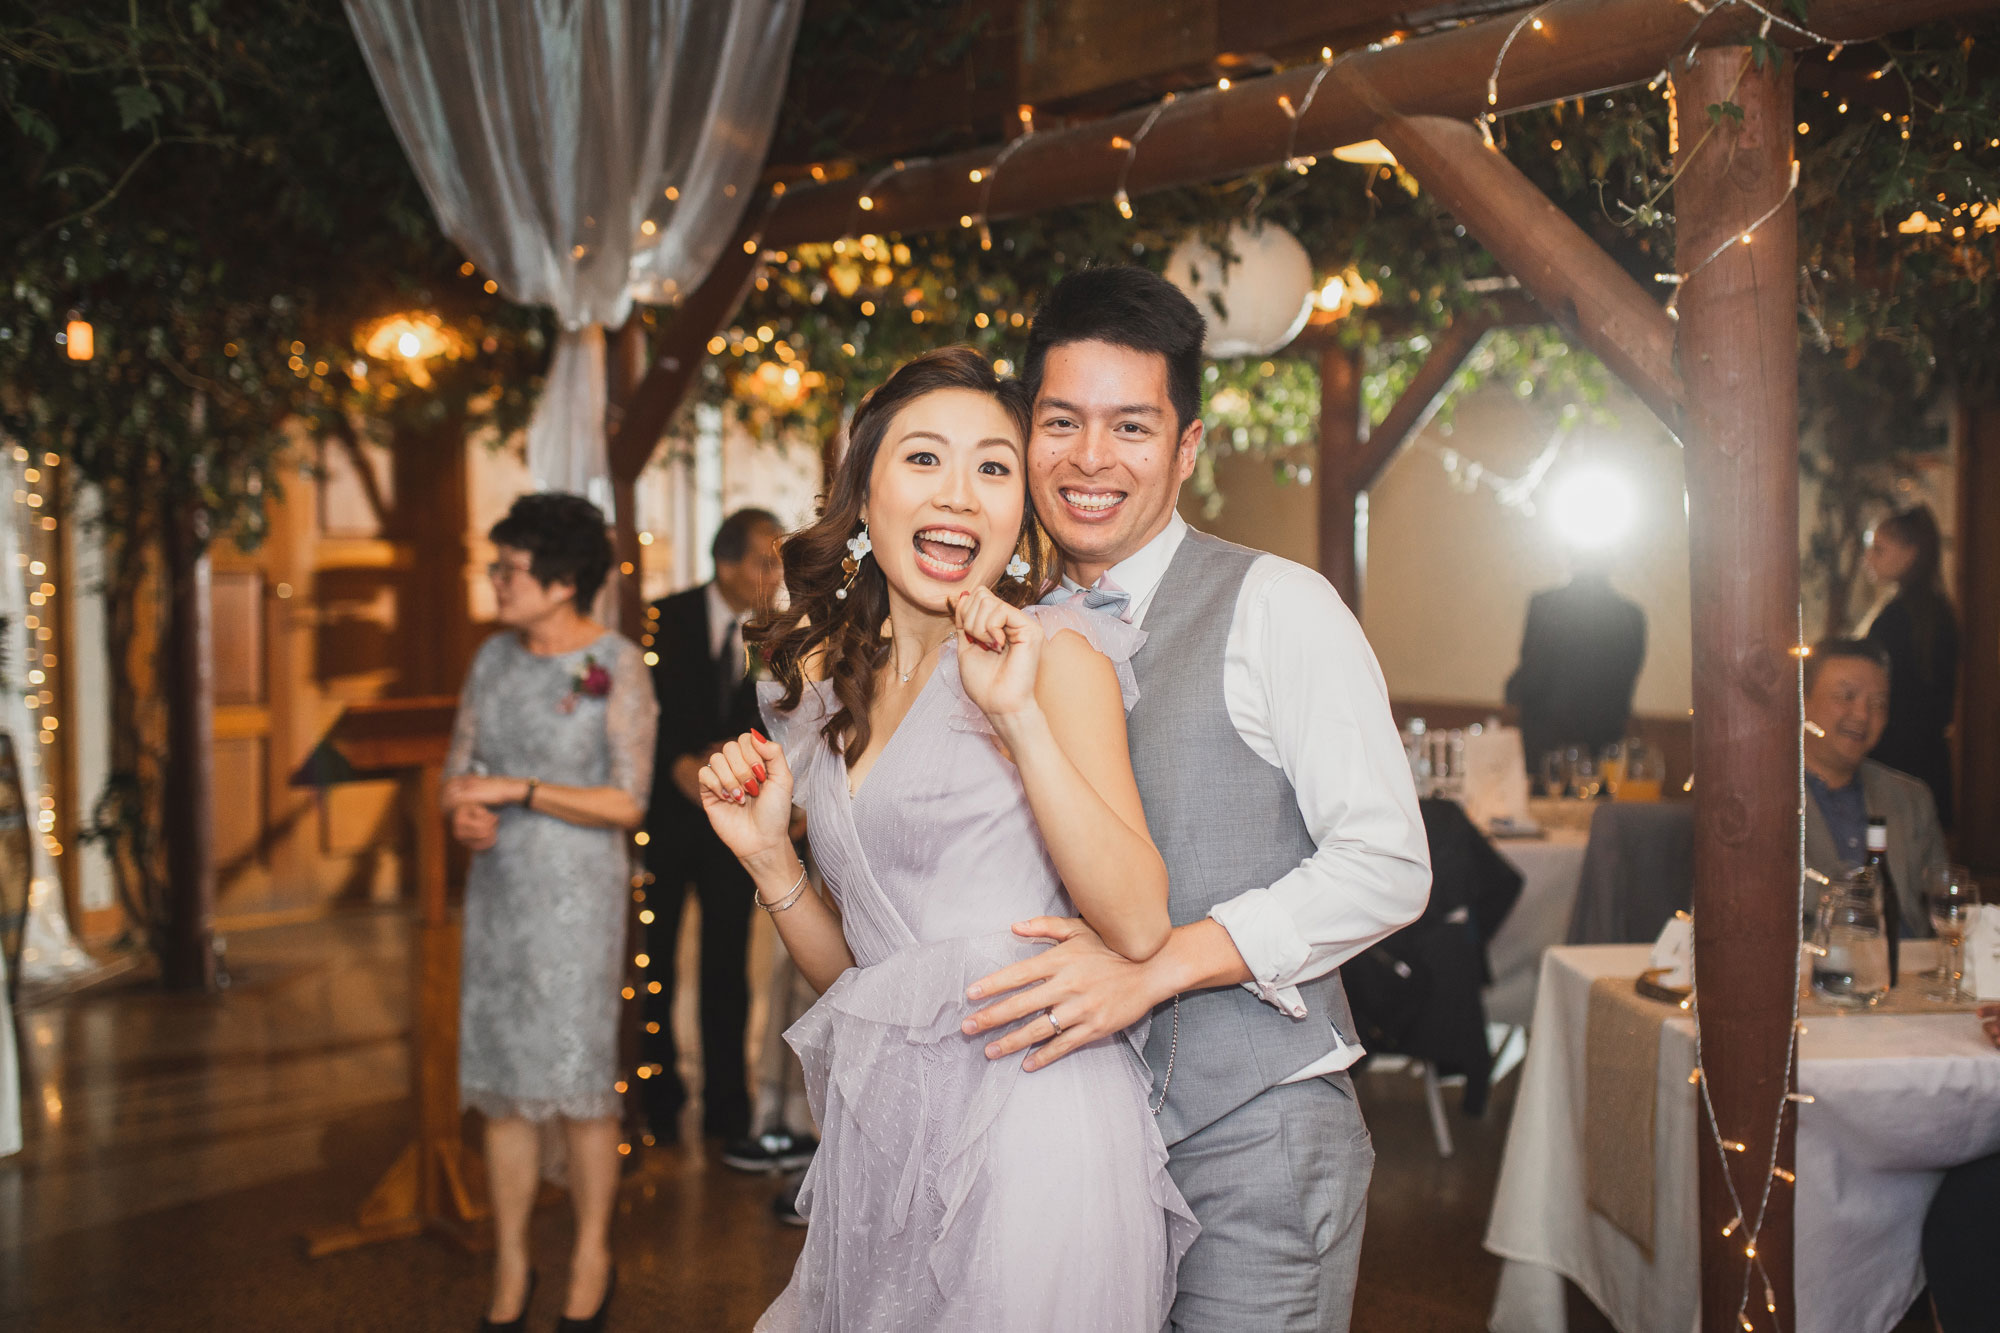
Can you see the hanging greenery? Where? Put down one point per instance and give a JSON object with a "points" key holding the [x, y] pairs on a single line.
{"points": [[214, 190], [1898, 204]]}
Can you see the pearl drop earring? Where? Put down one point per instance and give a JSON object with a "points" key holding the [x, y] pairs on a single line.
{"points": [[858, 547]]}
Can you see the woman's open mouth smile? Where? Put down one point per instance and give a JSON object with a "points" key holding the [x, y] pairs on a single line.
{"points": [[945, 554]]}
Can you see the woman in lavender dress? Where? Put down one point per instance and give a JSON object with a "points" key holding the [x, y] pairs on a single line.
{"points": [[551, 761], [961, 759]]}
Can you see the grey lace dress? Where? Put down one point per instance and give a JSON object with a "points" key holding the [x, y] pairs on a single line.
{"points": [[544, 935]]}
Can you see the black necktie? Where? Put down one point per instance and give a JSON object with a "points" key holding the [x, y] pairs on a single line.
{"points": [[725, 671]]}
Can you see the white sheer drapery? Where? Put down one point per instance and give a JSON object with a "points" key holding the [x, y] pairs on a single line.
{"points": [[584, 154], [49, 949]]}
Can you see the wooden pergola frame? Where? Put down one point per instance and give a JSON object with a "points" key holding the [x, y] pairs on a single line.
{"points": [[1723, 378]]}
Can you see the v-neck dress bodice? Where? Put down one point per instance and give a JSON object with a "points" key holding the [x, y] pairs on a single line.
{"points": [[951, 1191]]}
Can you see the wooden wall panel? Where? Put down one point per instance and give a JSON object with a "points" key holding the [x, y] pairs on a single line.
{"points": [[241, 812], [236, 609]]}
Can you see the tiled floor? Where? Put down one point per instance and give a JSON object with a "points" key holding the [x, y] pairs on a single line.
{"points": [[177, 1148]]}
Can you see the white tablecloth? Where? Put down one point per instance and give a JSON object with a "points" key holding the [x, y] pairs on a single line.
{"points": [[1551, 868], [1899, 1099]]}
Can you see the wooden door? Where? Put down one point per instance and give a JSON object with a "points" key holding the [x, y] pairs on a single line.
{"points": [[357, 593]]}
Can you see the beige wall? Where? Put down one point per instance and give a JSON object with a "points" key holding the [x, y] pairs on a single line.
{"points": [[1450, 570]]}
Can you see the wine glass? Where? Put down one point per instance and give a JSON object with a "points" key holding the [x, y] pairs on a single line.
{"points": [[1585, 780], [1951, 895]]}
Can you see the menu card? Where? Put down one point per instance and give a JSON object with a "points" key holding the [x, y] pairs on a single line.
{"points": [[1982, 952]]}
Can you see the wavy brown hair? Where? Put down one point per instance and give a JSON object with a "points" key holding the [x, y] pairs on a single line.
{"points": [[845, 634]]}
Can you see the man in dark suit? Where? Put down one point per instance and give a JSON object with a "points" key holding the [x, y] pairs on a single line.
{"points": [[1580, 659], [706, 697]]}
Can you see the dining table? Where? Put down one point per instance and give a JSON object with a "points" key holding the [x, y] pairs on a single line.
{"points": [[1897, 1099], [1551, 867]]}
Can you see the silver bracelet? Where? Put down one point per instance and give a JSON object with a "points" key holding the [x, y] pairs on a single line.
{"points": [[790, 897]]}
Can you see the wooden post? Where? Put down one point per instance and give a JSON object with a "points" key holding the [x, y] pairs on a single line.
{"points": [[625, 366], [432, 1183], [188, 805], [1343, 434], [1353, 455], [1739, 359]]}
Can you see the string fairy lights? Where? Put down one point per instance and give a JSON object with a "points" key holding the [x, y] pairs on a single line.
{"points": [[1490, 115], [1131, 148], [1751, 1220], [991, 172], [1297, 114], [1679, 281]]}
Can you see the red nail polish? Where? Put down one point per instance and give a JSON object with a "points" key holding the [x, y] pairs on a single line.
{"points": [[751, 786], [759, 735], [758, 769]]}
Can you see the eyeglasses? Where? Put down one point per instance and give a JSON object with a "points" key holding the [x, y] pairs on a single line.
{"points": [[501, 571]]}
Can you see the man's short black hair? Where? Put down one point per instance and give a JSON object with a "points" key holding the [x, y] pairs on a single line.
{"points": [[565, 538], [732, 539], [1126, 306], [1827, 650]]}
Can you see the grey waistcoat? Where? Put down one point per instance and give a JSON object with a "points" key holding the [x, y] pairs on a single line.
{"points": [[1226, 822]]}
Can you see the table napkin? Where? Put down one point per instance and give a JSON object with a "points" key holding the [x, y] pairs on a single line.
{"points": [[1621, 1068]]}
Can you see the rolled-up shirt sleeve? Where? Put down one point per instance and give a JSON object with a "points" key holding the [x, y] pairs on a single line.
{"points": [[1306, 694]]}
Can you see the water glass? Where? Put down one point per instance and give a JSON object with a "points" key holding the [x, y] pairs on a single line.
{"points": [[1950, 896]]}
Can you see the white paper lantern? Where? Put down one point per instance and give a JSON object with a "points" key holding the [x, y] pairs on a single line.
{"points": [[1266, 293]]}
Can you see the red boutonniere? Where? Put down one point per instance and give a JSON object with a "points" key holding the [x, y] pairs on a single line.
{"points": [[591, 681]]}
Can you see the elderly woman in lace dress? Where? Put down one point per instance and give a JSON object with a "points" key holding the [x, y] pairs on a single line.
{"points": [[549, 773]]}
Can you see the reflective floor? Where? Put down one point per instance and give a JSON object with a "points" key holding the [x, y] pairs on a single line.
{"points": [[177, 1147]]}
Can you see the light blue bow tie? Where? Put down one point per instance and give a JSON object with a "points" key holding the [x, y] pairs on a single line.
{"points": [[1116, 601]]}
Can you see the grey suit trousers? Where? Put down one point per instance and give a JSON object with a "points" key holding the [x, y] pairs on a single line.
{"points": [[1280, 1187]]}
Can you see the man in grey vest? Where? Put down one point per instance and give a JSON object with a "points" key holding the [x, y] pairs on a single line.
{"points": [[1276, 788]]}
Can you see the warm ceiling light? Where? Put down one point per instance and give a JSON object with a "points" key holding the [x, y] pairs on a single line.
{"points": [[79, 340], [1369, 152], [410, 337], [413, 340]]}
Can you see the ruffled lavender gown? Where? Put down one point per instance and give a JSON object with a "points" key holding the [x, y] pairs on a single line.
{"points": [[953, 1192]]}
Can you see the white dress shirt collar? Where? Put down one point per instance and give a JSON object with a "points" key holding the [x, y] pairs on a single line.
{"points": [[1140, 572], [721, 619]]}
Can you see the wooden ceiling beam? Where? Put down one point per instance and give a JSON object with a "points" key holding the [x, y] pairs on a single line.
{"points": [[1420, 400], [1588, 46]]}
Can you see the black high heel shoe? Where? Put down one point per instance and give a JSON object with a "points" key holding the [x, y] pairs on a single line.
{"points": [[519, 1323], [595, 1323]]}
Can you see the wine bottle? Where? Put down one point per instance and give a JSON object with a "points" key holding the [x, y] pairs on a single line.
{"points": [[1892, 907]]}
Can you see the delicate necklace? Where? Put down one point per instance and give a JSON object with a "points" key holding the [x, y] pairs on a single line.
{"points": [[905, 675]]}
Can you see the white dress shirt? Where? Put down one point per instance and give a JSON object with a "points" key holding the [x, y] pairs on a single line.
{"points": [[1305, 693]]}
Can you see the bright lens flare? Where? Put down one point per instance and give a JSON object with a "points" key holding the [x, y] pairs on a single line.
{"points": [[1591, 508]]}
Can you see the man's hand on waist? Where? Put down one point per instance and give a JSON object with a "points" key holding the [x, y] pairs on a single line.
{"points": [[1085, 991]]}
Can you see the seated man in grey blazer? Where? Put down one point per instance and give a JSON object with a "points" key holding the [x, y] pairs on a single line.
{"points": [[1847, 705]]}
